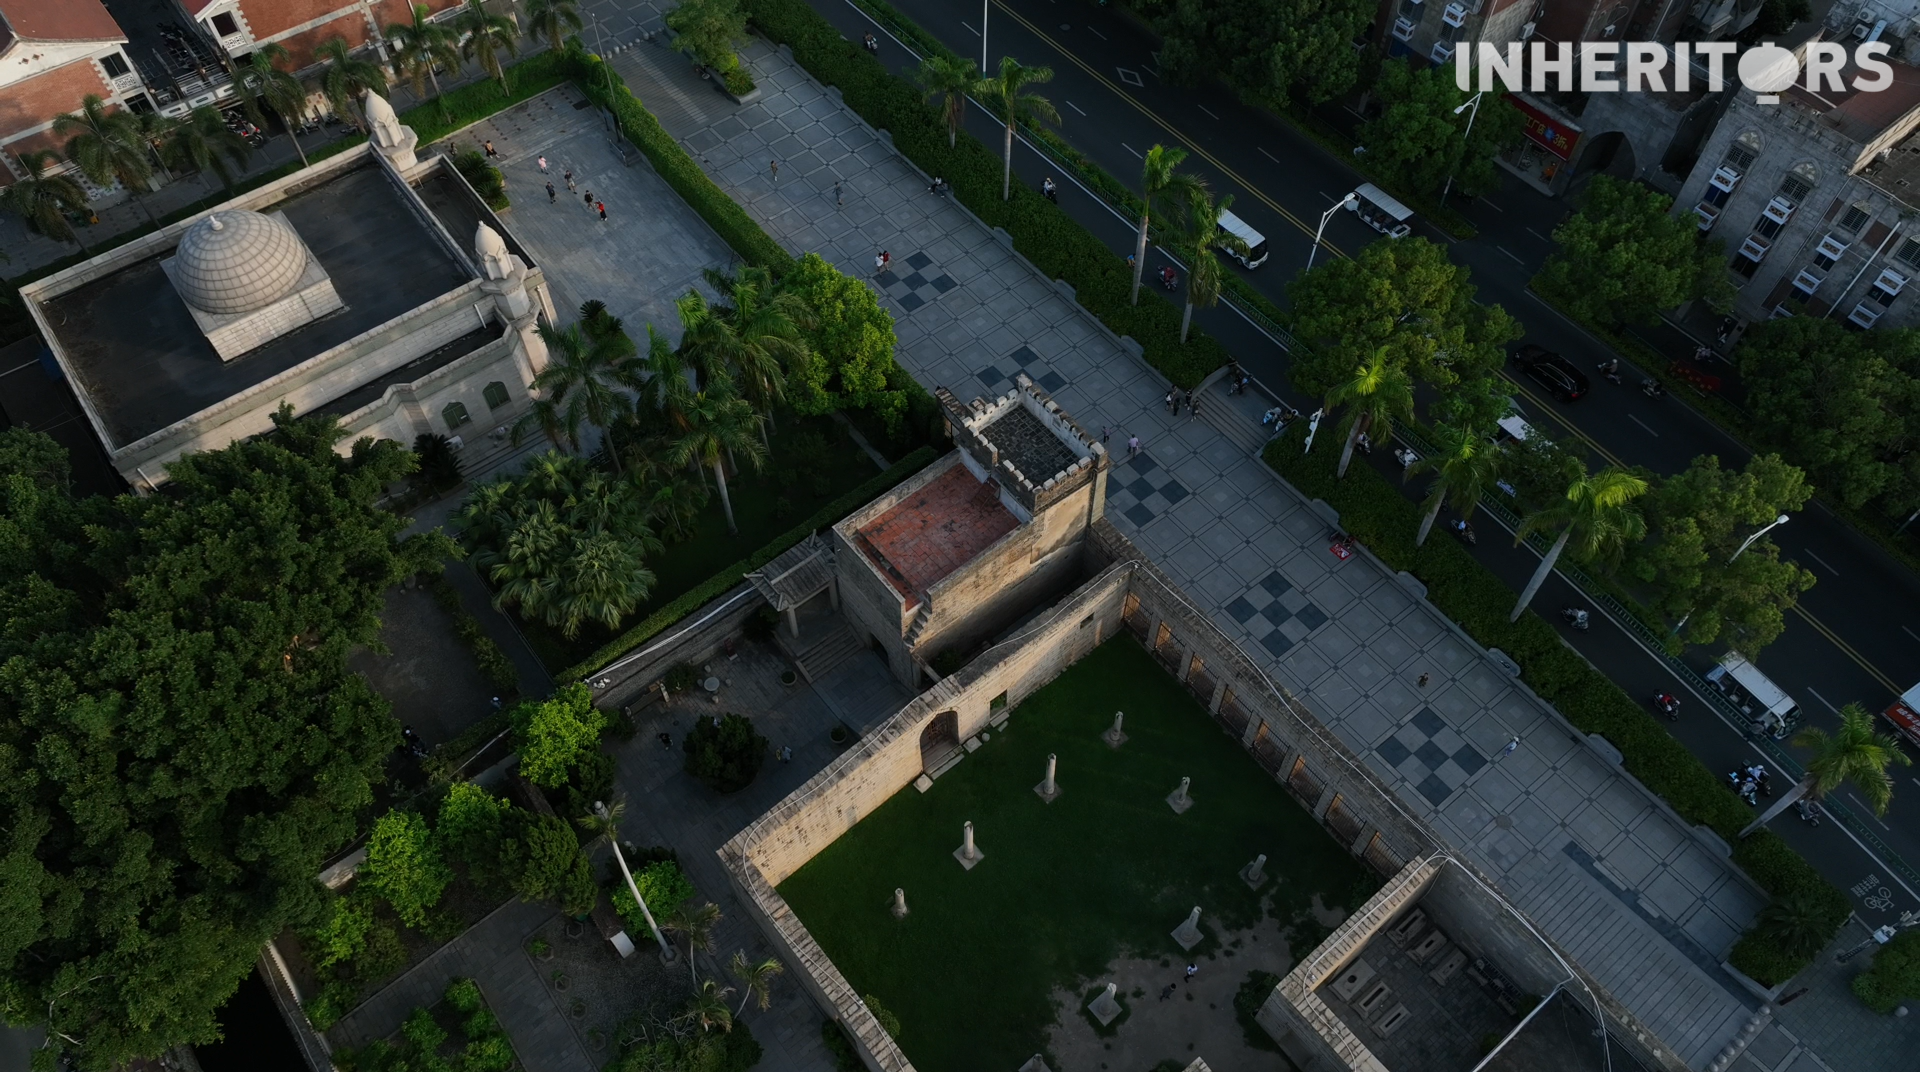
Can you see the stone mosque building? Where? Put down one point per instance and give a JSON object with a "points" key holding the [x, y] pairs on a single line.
{"points": [[373, 286]]}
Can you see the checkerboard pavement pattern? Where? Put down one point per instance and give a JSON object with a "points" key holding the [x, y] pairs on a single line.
{"points": [[1142, 489], [1432, 755], [997, 378], [1276, 614], [921, 283]]}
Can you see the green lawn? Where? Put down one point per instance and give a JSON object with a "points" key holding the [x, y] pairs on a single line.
{"points": [[1106, 870], [757, 510]]}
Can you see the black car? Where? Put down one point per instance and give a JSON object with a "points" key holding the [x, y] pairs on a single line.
{"points": [[1551, 371]]}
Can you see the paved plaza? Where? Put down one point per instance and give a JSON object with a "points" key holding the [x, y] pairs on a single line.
{"points": [[1643, 901]]}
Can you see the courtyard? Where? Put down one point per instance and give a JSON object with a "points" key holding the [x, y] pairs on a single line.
{"points": [[1086, 889]]}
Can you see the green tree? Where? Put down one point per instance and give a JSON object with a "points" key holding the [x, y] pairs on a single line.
{"points": [[1378, 393], [1696, 523], [756, 979], [1404, 298], [1894, 976], [552, 19], [1799, 924], [850, 343], [552, 736], [1275, 53], [485, 37], [1597, 516], [1166, 191], [469, 826], [708, 1007], [421, 46], [344, 935], [753, 339], [43, 200], [347, 79], [718, 423], [1419, 139], [709, 31], [1623, 258], [695, 923], [404, 866], [948, 80], [108, 147], [1854, 754], [201, 141], [1006, 93], [186, 744], [726, 753], [1204, 236], [587, 379], [1475, 404], [263, 83], [542, 862], [1464, 468]]}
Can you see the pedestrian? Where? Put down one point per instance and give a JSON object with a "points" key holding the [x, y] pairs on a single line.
{"points": [[871, 44], [602, 207], [1424, 678], [1193, 405], [496, 703], [588, 198], [490, 149], [1192, 970], [1172, 407], [774, 167], [1047, 187], [839, 200], [1104, 433], [1133, 446], [1167, 992], [666, 740], [569, 177], [553, 197], [1511, 745], [543, 165]]}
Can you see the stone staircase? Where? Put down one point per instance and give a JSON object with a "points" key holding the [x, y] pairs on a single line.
{"points": [[1237, 416], [819, 651]]}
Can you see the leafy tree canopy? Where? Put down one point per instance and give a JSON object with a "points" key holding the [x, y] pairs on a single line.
{"points": [[404, 866], [850, 344], [1418, 140], [1623, 258], [181, 741], [553, 736], [1271, 51]]}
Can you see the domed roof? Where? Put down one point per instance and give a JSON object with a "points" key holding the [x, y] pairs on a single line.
{"points": [[236, 261]]}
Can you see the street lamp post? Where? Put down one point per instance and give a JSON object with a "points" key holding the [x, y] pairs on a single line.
{"points": [[983, 36], [1324, 217], [668, 953], [1777, 522], [1473, 103]]}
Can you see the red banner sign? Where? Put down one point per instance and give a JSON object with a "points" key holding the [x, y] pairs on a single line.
{"points": [[1553, 135]]}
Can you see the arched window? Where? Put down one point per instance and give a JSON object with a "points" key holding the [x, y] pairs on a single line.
{"points": [[1744, 151], [455, 414], [496, 395], [1799, 182]]}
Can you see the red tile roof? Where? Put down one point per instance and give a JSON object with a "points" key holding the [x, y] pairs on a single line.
{"points": [[59, 20], [925, 537]]}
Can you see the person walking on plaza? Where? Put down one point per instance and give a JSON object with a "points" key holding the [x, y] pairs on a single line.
{"points": [[491, 152], [839, 201], [880, 261], [774, 167], [587, 198], [543, 165], [602, 207], [569, 177], [1509, 749], [553, 196], [1172, 406], [1133, 446]]}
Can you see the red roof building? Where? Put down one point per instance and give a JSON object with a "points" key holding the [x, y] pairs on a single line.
{"points": [[52, 54]]}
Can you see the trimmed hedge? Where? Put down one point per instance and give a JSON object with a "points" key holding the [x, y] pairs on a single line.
{"points": [[1041, 231], [494, 664], [717, 585], [1375, 512]]}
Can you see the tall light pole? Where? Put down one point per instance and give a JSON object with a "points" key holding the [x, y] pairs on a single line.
{"points": [[668, 953], [1324, 217], [1777, 522], [1473, 103], [983, 37]]}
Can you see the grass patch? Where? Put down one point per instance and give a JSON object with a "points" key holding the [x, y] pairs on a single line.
{"points": [[1106, 870]]}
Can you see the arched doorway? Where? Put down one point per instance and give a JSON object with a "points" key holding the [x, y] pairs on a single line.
{"points": [[1607, 154], [940, 741]]}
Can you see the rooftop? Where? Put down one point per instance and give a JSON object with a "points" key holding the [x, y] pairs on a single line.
{"points": [[1034, 449], [934, 531], [1419, 1001], [57, 20], [143, 362], [1859, 115]]}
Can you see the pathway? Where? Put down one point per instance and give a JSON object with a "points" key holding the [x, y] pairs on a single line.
{"points": [[1646, 904]]}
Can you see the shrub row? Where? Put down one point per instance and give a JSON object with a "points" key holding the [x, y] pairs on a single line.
{"points": [[494, 664], [719, 583], [1040, 230], [726, 217], [1375, 512]]}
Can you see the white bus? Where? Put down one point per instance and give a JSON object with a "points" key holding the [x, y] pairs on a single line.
{"points": [[1256, 242], [1378, 210]]}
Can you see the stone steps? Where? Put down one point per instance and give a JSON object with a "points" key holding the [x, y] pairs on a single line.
{"points": [[1228, 415], [823, 655]]}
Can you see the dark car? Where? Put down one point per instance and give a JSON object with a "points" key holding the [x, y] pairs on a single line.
{"points": [[1551, 371]]}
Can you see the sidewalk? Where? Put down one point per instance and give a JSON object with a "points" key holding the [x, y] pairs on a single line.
{"points": [[1606, 870]]}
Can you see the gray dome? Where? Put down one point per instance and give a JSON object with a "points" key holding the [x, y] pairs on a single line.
{"points": [[236, 261]]}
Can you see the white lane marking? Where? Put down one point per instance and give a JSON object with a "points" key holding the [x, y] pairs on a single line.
{"points": [[1509, 253], [1131, 149], [1910, 632], [1268, 155], [970, 28], [1643, 424], [1536, 234], [1075, 107], [1822, 699], [1822, 561], [1204, 108], [1493, 206], [1096, 33]]}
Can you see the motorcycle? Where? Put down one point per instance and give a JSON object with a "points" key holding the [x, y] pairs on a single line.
{"points": [[1810, 812], [1462, 530], [1169, 279], [1576, 617], [1667, 704], [1652, 388], [1611, 370]]}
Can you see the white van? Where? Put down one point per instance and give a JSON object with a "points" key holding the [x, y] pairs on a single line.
{"points": [[1378, 210], [1757, 697], [1256, 242]]}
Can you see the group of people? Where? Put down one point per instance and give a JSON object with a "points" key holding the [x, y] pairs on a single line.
{"points": [[1177, 398], [1750, 782]]}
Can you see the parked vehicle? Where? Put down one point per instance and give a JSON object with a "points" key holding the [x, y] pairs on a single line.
{"points": [[1551, 371], [1904, 713], [1773, 712], [1378, 210], [1256, 242]]}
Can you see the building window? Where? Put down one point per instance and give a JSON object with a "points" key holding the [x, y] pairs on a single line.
{"points": [[496, 395], [114, 64], [1740, 157], [1744, 267], [224, 24], [1854, 218], [1795, 188], [1909, 252], [455, 414]]}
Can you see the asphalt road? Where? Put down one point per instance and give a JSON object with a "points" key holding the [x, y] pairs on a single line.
{"points": [[1852, 640]]}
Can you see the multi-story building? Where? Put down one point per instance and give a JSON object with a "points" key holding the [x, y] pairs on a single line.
{"points": [[301, 26], [1815, 199], [53, 53]]}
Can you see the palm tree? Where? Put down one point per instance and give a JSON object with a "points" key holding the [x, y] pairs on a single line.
{"points": [[1464, 467], [718, 422], [201, 141], [486, 37], [551, 19], [1855, 754], [1798, 923], [1165, 190], [695, 923], [1006, 94], [1379, 391], [346, 78], [603, 825], [949, 80], [604, 580], [755, 979], [44, 200], [586, 380], [756, 339], [281, 92], [108, 147], [419, 48], [1596, 515], [708, 1006], [1204, 235]]}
